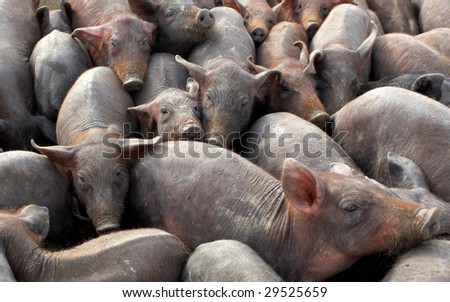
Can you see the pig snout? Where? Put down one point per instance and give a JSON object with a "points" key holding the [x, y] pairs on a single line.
{"points": [[258, 35], [205, 18], [429, 222], [214, 138], [106, 226], [191, 131], [133, 83], [311, 29]]}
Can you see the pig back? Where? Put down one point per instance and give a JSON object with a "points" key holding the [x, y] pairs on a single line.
{"points": [[228, 39], [408, 124], [347, 25], [96, 100], [163, 72]]}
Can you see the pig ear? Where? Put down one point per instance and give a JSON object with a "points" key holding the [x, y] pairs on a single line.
{"points": [[404, 173], [277, 8], [134, 148], [62, 155], [264, 81], [192, 87], [342, 169], [234, 4], [145, 116], [36, 219], [365, 49], [429, 85], [315, 57], [304, 52], [303, 190], [43, 17], [254, 68], [66, 10], [91, 37], [194, 70]]}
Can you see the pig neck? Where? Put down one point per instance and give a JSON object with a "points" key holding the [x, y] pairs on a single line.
{"points": [[28, 261], [295, 245]]}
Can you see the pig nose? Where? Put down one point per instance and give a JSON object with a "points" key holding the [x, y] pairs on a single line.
{"points": [[311, 29], [133, 84], [214, 139], [105, 226], [430, 222], [191, 131], [258, 35], [205, 18]]}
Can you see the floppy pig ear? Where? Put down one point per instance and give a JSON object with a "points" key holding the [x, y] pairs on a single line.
{"points": [[264, 81], [91, 37], [145, 116], [133, 148], [404, 173], [194, 70], [303, 190], [429, 85], [315, 57], [61, 155], [36, 219], [43, 17]]}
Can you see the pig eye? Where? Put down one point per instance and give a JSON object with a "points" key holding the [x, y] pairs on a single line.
{"points": [[244, 101], [145, 45], [285, 89], [114, 46], [300, 6], [169, 13], [271, 22], [325, 11], [247, 17], [164, 110], [351, 208], [81, 181]]}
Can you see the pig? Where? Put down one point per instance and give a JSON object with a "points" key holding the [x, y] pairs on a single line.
{"points": [[428, 262], [164, 107], [92, 127], [114, 37], [227, 261], [182, 24], [56, 62], [428, 84], [18, 122], [432, 14], [438, 39], [294, 92], [174, 114], [278, 136], [233, 199], [396, 16], [258, 16], [308, 13], [227, 103], [29, 177], [133, 255], [396, 54], [341, 61], [56, 19], [408, 111]]}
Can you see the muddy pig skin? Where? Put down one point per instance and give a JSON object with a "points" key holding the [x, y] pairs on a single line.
{"points": [[92, 129], [407, 123], [133, 255], [114, 37], [233, 199]]}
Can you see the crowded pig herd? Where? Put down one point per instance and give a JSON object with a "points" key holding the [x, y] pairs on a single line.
{"points": [[233, 140]]}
